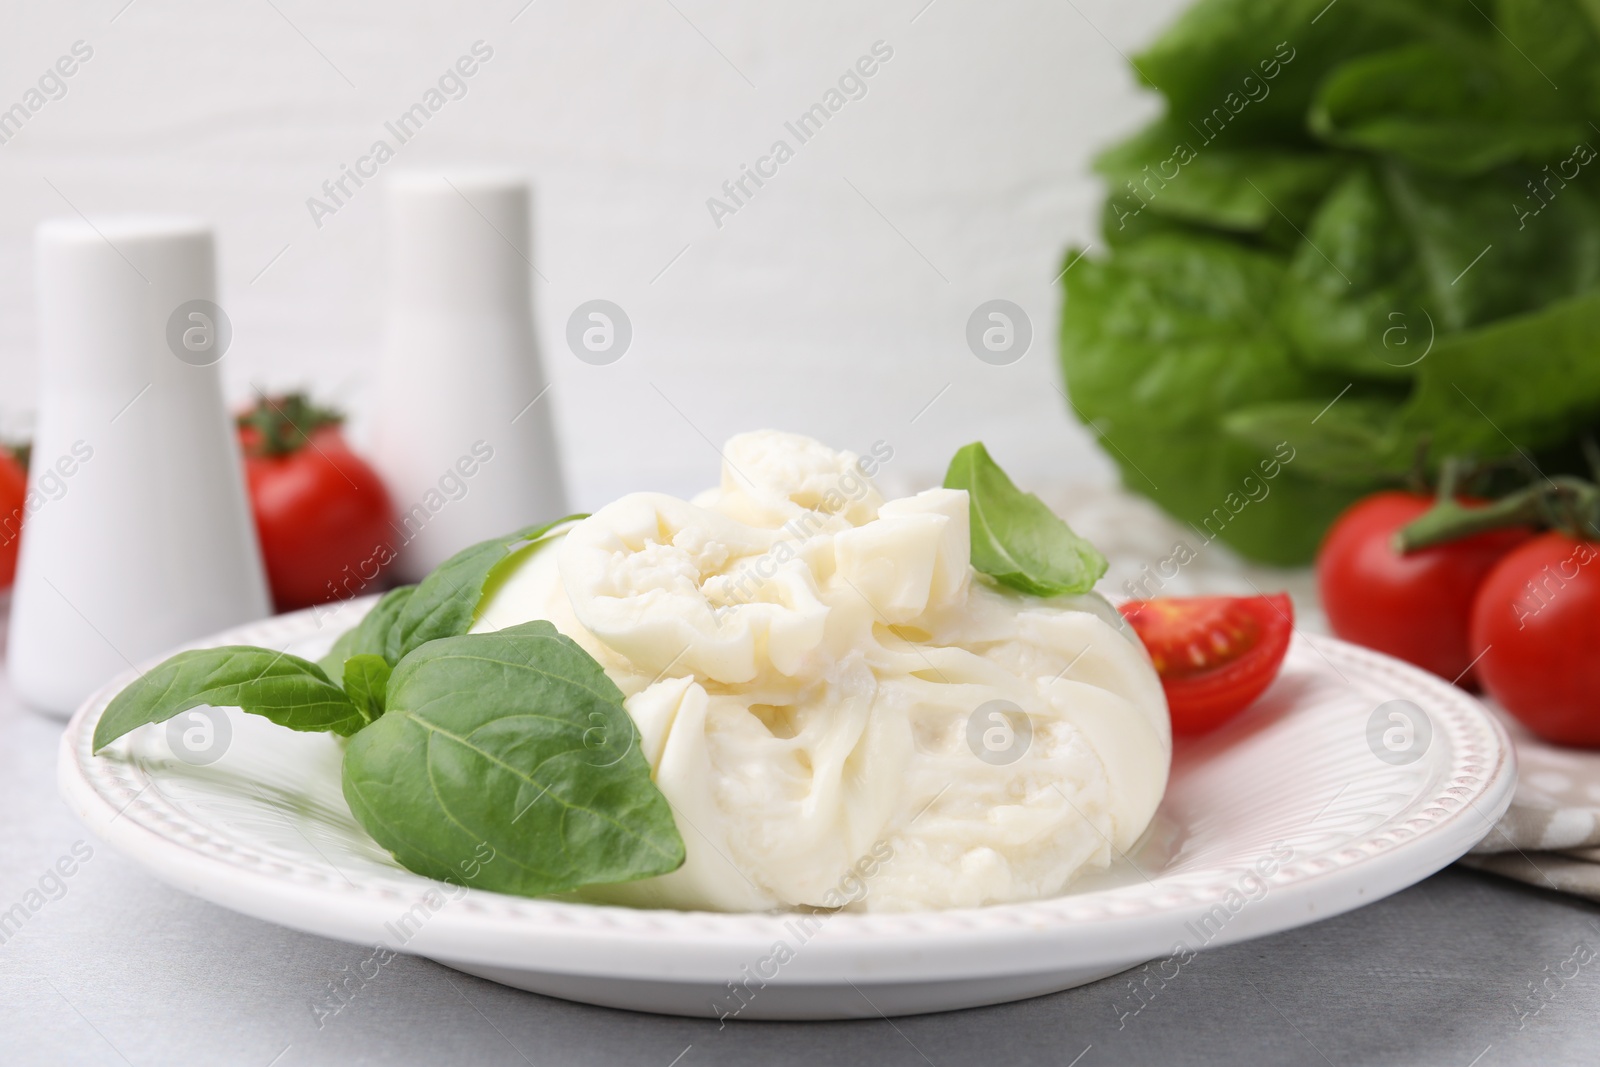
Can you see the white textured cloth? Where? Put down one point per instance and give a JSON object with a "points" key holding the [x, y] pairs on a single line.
{"points": [[1550, 836]]}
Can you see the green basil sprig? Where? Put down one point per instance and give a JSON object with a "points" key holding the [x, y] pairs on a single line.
{"points": [[288, 690], [1016, 539], [515, 740], [445, 600], [370, 636], [366, 682], [442, 605]]}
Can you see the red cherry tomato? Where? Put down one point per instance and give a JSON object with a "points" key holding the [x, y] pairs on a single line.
{"points": [[1414, 607], [1537, 622], [322, 514], [1215, 655], [13, 494]]}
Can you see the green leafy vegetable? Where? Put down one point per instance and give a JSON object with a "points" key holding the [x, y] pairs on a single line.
{"points": [[1531, 379], [1164, 341], [515, 740], [1207, 52], [1351, 443], [369, 637], [1170, 169], [366, 681], [442, 605], [1016, 539], [1386, 206], [1436, 107], [445, 600], [288, 690], [503, 760]]}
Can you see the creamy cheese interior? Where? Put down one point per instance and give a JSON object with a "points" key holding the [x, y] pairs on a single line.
{"points": [[840, 711]]}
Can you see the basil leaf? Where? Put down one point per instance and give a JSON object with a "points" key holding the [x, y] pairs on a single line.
{"points": [[1016, 539], [370, 636], [515, 741], [366, 682], [288, 690], [445, 600], [332, 664]]}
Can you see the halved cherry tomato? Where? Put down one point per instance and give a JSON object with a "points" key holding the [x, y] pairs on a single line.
{"points": [[1215, 654]]}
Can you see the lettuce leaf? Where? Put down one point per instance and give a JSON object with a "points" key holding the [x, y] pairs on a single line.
{"points": [[1388, 235]]}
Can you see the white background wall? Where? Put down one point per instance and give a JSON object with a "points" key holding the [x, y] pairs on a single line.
{"points": [[806, 311]]}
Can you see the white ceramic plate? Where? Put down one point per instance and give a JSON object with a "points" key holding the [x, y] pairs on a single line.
{"points": [[1294, 789]]}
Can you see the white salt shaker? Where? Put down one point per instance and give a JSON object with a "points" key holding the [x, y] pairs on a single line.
{"points": [[137, 534], [463, 433]]}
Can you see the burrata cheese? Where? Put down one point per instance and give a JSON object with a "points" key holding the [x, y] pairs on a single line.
{"points": [[840, 711]]}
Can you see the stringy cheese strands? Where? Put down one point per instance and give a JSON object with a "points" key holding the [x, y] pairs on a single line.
{"points": [[812, 671]]}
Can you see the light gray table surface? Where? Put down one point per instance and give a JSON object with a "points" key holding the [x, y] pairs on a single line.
{"points": [[121, 969]]}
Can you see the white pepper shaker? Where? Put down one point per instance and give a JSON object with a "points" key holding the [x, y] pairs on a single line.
{"points": [[463, 433], [137, 535]]}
